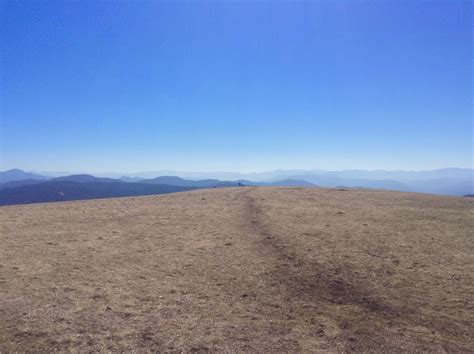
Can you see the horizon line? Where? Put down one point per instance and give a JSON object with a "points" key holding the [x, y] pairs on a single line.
{"points": [[238, 172]]}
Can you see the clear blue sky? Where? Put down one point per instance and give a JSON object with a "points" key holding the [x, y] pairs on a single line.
{"points": [[243, 85]]}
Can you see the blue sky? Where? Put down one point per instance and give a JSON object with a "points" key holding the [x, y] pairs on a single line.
{"points": [[236, 85]]}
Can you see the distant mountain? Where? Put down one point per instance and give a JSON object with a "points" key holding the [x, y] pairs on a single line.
{"points": [[86, 178], [18, 175], [448, 181], [221, 176], [331, 180], [276, 175], [444, 186], [23, 182], [459, 185], [210, 183], [55, 191], [291, 183], [178, 181], [130, 179], [400, 176]]}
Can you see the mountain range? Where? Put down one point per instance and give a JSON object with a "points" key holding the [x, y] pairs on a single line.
{"points": [[274, 175], [21, 187], [18, 175]]}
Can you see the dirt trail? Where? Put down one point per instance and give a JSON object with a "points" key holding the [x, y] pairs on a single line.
{"points": [[353, 314], [308, 285], [239, 269], [305, 286]]}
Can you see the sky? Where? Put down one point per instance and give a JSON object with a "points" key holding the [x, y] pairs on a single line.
{"points": [[236, 85]]}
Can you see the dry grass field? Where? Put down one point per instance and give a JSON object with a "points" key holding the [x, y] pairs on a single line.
{"points": [[240, 269]]}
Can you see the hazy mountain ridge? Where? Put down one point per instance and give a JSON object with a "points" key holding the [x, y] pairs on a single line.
{"points": [[55, 191], [83, 178], [18, 175], [40, 188], [268, 176], [178, 181], [23, 182], [83, 186], [130, 179]]}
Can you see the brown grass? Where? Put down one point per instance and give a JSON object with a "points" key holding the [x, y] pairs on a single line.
{"points": [[240, 269]]}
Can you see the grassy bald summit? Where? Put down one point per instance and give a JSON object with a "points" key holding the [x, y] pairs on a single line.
{"points": [[240, 269]]}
